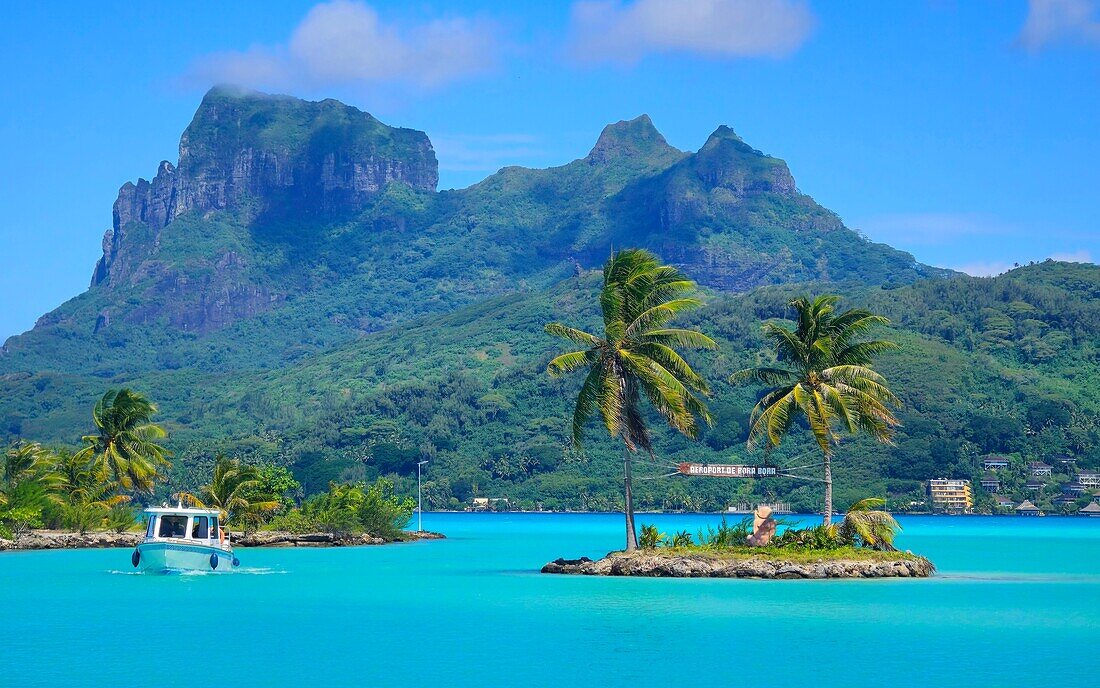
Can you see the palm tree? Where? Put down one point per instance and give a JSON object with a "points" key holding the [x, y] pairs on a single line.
{"points": [[233, 490], [27, 487], [827, 380], [636, 357], [867, 525], [125, 445], [90, 494]]}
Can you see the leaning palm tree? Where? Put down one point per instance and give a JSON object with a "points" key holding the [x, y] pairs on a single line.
{"points": [[125, 446], [827, 379], [233, 490], [636, 357]]}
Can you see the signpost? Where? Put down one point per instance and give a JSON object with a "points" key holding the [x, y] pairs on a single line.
{"points": [[727, 470]]}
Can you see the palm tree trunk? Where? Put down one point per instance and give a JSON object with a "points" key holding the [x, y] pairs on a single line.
{"points": [[828, 518], [631, 536]]}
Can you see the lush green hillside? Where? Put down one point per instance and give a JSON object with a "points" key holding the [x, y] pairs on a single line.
{"points": [[297, 291]]}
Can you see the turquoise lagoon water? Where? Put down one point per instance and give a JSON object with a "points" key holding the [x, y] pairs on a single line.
{"points": [[1017, 601]]}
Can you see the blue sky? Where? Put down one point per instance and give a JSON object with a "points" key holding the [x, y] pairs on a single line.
{"points": [[965, 132]]}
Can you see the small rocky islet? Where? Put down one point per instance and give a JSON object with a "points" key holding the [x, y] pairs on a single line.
{"points": [[651, 563]]}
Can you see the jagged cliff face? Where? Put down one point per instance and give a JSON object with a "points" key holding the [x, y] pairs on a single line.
{"points": [[290, 227], [281, 155], [260, 159]]}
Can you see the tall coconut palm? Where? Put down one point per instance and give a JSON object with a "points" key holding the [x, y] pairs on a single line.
{"points": [[636, 357], [125, 446], [827, 379], [232, 490]]}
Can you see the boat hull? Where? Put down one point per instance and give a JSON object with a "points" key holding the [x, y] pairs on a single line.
{"points": [[170, 557]]}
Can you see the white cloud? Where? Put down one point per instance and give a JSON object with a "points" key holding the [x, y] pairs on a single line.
{"points": [[997, 267], [984, 268], [344, 43], [1074, 257], [609, 30], [1059, 21], [931, 229]]}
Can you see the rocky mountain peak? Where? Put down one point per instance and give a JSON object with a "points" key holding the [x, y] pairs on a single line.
{"points": [[279, 154], [636, 139]]}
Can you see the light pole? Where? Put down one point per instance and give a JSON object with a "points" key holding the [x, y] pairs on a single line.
{"points": [[419, 502]]}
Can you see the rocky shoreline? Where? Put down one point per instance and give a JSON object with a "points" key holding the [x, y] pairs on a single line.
{"points": [[46, 539], [645, 563]]}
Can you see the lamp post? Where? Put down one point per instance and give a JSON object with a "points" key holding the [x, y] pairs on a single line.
{"points": [[419, 501]]}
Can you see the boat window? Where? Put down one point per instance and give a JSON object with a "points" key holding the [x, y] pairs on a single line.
{"points": [[173, 526], [200, 528], [214, 527], [152, 527]]}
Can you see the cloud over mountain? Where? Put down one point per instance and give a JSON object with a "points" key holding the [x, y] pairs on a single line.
{"points": [[611, 31], [344, 43]]}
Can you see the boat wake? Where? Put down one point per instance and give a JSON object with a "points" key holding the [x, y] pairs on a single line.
{"points": [[246, 571]]}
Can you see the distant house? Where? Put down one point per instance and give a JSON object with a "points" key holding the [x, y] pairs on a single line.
{"points": [[1035, 484], [991, 483], [1003, 502], [994, 462], [1026, 508], [1096, 496], [1040, 469], [1091, 509], [1064, 460], [1074, 487], [1089, 478], [950, 496]]}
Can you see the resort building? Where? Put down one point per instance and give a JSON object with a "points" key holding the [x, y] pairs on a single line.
{"points": [[1040, 469], [1091, 509], [1089, 478], [1074, 487], [1034, 484], [1026, 508], [1064, 460], [993, 462], [950, 496], [991, 483], [1096, 496], [1003, 502]]}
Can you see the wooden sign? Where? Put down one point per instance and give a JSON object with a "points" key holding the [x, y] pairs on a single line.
{"points": [[727, 470]]}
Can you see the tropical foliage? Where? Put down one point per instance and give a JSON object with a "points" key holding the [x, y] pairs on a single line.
{"points": [[636, 358], [237, 491], [468, 391], [126, 442], [824, 376], [26, 488], [351, 509]]}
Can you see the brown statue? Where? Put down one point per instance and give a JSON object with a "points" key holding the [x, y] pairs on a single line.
{"points": [[763, 527]]}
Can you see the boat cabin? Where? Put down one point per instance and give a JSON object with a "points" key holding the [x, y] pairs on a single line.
{"points": [[182, 523]]}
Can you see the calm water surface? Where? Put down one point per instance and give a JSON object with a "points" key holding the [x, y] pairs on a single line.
{"points": [[1017, 601]]}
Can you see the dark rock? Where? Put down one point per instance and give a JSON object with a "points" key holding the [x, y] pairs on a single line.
{"points": [[652, 563]]}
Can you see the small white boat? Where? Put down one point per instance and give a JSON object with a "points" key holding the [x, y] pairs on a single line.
{"points": [[184, 539]]}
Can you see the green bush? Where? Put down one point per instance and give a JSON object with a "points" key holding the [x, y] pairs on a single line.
{"points": [[650, 538]]}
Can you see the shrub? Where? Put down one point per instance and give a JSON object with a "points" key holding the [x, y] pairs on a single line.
{"points": [[650, 538]]}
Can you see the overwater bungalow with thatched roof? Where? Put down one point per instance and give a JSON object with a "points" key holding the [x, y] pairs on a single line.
{"points": [[1026, 508]]}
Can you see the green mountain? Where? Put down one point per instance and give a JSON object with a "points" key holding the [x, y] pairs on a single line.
{"points": [[295, 290]]}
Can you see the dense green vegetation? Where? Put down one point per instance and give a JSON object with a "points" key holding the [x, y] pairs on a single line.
{"points": [[346, 344], [467, 391]]}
